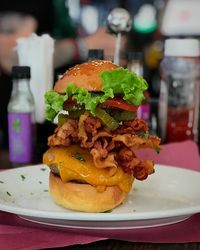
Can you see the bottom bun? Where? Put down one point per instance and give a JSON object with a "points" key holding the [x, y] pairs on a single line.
{"points": [[84, 197]]}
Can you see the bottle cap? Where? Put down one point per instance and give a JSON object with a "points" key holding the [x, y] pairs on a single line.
{"points": [[188, 47], [119, 20], [96, 54], [145, 20], [21, 72]]}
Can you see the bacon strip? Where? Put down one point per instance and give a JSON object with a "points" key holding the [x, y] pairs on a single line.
{"points": [[128, 160], [109, 149], [108, 162], [132, 127], [64, 135], [137, 142], [82, 135]]}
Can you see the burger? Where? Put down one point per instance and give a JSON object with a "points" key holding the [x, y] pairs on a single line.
{"points": [[92, 154]]}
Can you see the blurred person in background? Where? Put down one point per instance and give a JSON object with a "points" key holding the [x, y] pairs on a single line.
{"points": [[20, 18]]}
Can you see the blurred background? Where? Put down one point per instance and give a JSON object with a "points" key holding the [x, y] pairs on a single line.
{"points": [[78, 26]]}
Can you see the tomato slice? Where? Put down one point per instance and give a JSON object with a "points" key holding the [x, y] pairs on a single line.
{"points": [[119, 103], [71, 105], [71, 102]]}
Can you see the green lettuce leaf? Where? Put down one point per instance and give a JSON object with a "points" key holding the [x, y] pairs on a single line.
{"points": [[117, 82], [54, 103], [127, 84]]}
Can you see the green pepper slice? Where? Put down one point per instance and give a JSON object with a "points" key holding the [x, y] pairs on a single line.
{"points": [[106, 119], [62, 118], [122, 115]]}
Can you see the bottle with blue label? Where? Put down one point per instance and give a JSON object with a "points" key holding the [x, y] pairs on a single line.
{"points": [[21, 118]]}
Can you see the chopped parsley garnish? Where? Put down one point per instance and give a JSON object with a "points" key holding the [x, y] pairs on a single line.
{"points": [[40, 182], [107, 211], [143, 134], [135, 189], [23, 177], [157, 149], [1, 181], [8, 193], [78, 156], [43, 169]]}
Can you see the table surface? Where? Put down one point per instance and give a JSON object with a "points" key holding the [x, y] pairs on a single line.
{"points": [[112, 244], [124, 245]]}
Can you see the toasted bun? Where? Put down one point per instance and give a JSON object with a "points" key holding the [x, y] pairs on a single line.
{"points": [[84, 197], [85, 75]]}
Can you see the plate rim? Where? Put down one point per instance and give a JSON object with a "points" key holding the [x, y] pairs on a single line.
{"points": [[106, 227], [82, 216]]}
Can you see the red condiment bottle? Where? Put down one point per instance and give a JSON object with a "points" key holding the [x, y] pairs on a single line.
{"points": [[179, 93]]}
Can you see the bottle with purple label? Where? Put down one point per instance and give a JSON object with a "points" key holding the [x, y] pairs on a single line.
{"points": [[21, 118]]}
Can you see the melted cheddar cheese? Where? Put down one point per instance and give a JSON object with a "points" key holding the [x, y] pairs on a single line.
{"points": [[75, 163]]}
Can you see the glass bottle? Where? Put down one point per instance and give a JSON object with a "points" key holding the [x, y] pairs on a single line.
{"points": [[135, 64], [95, 54], [21, 118], [179, 93]]}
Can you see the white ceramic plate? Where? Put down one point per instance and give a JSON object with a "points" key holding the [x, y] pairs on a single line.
{"points": [[170, 195]]}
